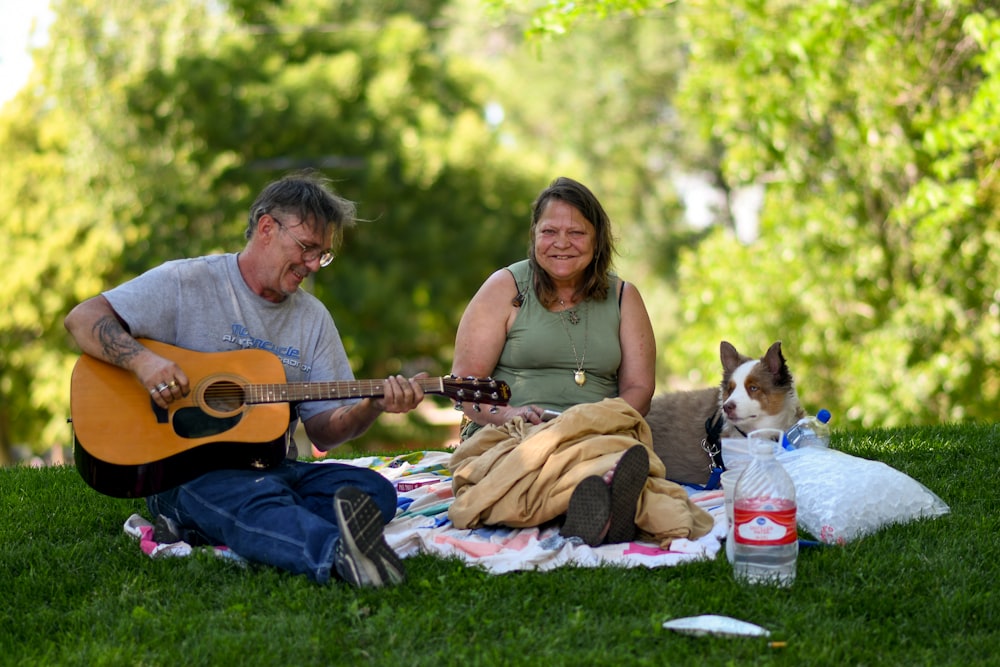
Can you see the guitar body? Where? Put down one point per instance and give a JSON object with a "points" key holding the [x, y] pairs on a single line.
{"points": [[146, 479], [127, 446]]}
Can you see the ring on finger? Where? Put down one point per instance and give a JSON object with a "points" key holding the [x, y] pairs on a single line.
{"points": [[172, 384], [161, 386]]}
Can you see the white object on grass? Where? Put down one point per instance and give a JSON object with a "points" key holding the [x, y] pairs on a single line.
{"points": [[719, 626]]}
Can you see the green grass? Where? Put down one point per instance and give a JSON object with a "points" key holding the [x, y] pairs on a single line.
{"points": [[75, 590]]}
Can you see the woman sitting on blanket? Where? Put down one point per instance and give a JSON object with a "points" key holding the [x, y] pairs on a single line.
{"points": [[563, 330]]}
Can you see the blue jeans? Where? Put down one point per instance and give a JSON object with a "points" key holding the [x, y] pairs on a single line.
{"points": [[282, 516]]}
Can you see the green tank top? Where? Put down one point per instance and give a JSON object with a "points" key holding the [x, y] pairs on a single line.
{"points": [[538, 359]]}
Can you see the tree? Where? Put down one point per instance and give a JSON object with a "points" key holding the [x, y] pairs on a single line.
{"points": [[873, 128], [165, 119], [399, 127], [593, 97], [69, 194], [856, 117]]}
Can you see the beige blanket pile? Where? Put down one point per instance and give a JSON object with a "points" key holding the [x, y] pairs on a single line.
{"points": [[521, 475]]}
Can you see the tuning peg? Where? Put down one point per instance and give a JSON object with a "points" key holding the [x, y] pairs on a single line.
{"points": [[458, 405]]}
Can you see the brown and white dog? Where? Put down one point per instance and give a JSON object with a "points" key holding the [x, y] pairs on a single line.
{"points": [[754, 393]]}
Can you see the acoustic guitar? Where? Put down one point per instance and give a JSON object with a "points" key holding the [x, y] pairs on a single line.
{"points": [[235, 416]]}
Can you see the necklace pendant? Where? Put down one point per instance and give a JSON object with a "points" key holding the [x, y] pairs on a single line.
{"points": [[574, 318], [580, 377]]}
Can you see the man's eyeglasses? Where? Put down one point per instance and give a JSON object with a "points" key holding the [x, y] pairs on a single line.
{"points": [[309, 254]]}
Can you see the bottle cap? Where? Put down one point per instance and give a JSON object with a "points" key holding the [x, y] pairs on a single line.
{"points": [[823, 415]]}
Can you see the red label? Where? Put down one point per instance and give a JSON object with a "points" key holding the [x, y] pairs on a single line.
{"points": [[764, 527], [403, 487]]}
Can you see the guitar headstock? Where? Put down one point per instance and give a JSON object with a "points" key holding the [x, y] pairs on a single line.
{"points": [[476, 390]]}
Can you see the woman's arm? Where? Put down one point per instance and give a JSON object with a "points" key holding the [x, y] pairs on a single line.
{"points": [[481, 336], [637, 374]]}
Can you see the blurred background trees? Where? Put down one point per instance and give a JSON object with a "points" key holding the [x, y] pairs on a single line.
{"points": [[824, 174], [873, 129]]}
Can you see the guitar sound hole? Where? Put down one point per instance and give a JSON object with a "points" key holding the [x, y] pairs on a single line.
{"points": [[224, 396]]}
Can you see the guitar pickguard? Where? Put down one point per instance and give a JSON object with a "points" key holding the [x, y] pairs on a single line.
{"points": [[194, 423], [219, 405]]}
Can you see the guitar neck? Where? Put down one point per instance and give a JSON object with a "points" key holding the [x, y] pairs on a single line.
{"points": [[296, 392]]}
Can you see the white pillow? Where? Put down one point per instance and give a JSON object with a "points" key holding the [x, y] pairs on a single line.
{"points": [[842, 497]]}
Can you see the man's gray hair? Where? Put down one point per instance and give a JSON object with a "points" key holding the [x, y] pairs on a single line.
{"points": [[309, 196]]}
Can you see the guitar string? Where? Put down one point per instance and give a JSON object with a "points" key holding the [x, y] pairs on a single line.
{"points": [[350, 389]]}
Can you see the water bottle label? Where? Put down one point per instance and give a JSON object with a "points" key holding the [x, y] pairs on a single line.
{"points": [[756, 527]]}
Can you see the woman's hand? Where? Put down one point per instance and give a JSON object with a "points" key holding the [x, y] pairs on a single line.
{"points": [[529, 413]]}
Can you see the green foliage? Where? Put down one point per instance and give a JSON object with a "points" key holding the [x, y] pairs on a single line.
{"points": [[557, 18], [147, 128], [873, 129], [596, 103], [151, 126], [912, 594], [399, 128], [870, 127], [88, 200]]}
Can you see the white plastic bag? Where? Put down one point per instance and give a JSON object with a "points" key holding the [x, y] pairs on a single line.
{"points": [[736, 451], [842, 497]]}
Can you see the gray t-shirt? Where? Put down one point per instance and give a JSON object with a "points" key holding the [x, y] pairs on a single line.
{"points": [[203, 304]]}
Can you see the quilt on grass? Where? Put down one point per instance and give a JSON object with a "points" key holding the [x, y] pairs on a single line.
{"points": [[421, 526]]}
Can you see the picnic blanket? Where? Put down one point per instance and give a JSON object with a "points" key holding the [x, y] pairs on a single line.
{"points": [[424, 486]]}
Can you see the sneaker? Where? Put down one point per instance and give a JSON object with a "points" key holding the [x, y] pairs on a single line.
{"points": [[165, 531], [588, 512], [362, 557], [629, 479]]}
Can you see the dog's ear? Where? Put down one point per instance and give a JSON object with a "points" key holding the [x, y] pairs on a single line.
{"points": [[774, 361], [730, 357]]}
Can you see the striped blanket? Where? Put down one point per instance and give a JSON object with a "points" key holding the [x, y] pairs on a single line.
{"points": [[421, 526]]}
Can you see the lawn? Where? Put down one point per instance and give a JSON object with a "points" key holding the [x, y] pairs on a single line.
{"points": [[75, 590]]}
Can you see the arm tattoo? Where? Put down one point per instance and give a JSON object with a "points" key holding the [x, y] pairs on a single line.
{"points": [[117, 346]]}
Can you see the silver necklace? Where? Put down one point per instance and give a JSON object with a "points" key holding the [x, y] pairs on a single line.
{"points": [[579, 375]]}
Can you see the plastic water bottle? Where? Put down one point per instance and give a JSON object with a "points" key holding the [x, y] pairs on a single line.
{"points": [[809, 432], [765, 539]]}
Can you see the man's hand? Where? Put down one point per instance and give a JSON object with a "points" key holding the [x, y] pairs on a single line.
{"points": [[400, 394], [163, 378], [333, 427]]}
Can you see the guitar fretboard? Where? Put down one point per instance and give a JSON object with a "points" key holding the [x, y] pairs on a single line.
{"points": [[329, 391]]}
